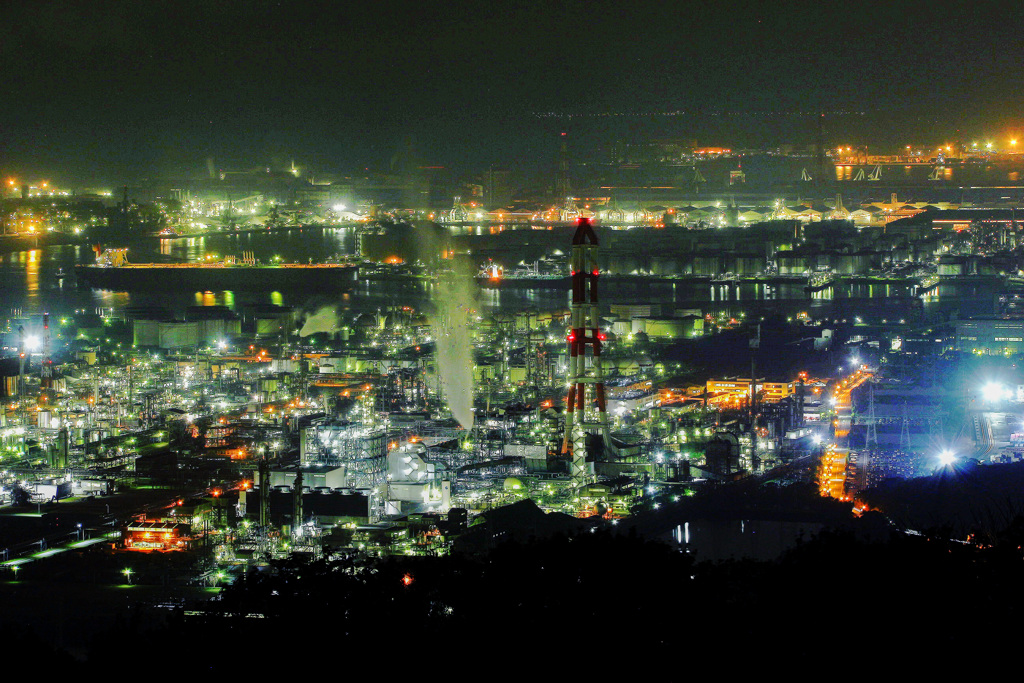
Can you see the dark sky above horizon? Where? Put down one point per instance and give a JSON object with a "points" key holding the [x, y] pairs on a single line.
{"points": [[99, 92]]}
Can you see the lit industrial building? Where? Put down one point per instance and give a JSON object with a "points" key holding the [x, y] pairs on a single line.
{"points": [[990, 336], [149, 535]]}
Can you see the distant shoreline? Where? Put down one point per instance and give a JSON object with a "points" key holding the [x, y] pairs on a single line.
{"points": [[12, 243]]}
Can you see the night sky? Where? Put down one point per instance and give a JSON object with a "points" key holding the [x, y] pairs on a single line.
{"points": [[98, 92]]}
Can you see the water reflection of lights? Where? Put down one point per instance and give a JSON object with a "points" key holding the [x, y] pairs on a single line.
{"points": [[32, 276]]}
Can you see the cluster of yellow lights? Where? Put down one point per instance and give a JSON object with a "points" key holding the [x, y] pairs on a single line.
{"points": [[832, 483]]}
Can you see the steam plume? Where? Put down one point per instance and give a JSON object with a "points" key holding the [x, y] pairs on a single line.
{"points": [[453, 304], [324, 319]]}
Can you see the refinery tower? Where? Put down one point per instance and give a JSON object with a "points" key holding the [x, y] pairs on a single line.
{"points": [[585, 412]]}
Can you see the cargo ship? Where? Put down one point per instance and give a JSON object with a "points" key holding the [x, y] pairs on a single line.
{"points": [[546, 272], [113, 271]]}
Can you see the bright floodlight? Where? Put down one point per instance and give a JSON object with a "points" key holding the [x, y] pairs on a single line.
{"points": [[947, 458], [32, 343], [339, 207], [992, 392]]}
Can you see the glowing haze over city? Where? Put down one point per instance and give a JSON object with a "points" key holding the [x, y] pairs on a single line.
{"points": [[414, 337]]}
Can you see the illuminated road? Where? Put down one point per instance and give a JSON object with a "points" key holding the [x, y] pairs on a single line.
{"points": [[835, 459], [832, 478], [26, 556], [843, 404]]}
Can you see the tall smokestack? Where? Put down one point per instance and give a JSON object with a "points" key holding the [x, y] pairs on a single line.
{"points": [[297, 502], [584, 333], [46, 370], [264, 477]]}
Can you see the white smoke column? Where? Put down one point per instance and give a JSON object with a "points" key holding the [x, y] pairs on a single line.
{"points": [[325, 319], [454, 303]]}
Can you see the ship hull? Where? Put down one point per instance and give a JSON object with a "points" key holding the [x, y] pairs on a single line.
{"points": [[525, 282], [324, 277]]}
